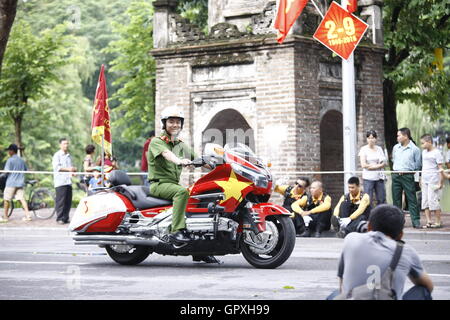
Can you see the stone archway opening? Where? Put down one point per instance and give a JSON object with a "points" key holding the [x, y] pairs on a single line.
{"points": [[331, 156], [228, 126]]}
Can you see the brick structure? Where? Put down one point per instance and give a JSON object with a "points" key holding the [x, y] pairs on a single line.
{"points": [[286, 99]]}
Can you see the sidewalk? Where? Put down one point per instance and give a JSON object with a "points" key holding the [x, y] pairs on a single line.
{"points": [[15, 221]]}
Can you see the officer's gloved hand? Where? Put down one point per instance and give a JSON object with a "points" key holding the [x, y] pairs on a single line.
{"points": [[344, 222], [185, 162]]}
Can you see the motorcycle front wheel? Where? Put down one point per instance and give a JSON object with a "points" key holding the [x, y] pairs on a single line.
{"points": [[128, 254], [271, 248]]}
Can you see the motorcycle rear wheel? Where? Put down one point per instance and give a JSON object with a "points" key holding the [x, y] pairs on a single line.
{"points": [[282, 249], [130, 256]]}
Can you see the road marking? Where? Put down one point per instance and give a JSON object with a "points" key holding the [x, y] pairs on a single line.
{"points": [[72, 253], [335, 256], [43, 262], [58, 253], [439, 275]]}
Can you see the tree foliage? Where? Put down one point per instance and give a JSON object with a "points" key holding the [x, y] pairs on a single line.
{"points": [[196, 11], [136, 69], [30, 64], [413, 29], [64, 109]]}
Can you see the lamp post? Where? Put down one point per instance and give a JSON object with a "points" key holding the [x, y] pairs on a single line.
{"points": [[348, 114]]}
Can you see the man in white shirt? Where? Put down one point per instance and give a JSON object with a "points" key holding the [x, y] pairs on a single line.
{"points": [[62, 168], [432, 180]]}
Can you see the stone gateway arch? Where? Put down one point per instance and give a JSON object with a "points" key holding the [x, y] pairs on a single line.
{"points": [[238, 77]]}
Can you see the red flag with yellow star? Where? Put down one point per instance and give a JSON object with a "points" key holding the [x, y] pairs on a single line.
{"points": [[100, 114], [288, 12]]}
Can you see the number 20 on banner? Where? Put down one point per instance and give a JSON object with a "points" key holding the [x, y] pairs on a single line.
{"points": [[340, 31]]}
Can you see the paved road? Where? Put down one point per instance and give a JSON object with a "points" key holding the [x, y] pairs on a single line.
{"points": [[44, 264]]}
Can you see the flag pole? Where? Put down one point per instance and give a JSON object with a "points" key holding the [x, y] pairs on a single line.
{"points": [[103, 160], [317, 8]]}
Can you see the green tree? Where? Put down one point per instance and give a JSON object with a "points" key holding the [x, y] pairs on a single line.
{"points": [[135, 68], [90, 19], [412, 30], [30, 64], [415, 118]]}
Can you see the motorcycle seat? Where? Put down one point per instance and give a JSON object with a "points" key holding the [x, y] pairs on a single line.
{"points": [[141, 199]]}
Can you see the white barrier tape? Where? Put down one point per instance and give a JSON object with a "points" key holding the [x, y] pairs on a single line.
{"points": [[68, 173], [273, 172]]}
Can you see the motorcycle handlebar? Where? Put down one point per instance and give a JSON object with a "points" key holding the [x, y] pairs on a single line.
{"points": [[196, 163]]}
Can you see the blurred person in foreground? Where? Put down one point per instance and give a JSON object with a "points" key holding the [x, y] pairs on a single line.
{"points": [[367, 257]]}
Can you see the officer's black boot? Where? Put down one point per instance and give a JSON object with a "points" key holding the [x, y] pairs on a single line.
{"points": [[179, 236], [206, 259]]}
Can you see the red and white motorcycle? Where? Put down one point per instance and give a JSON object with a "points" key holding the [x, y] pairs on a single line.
{"points": [[227, 213]]}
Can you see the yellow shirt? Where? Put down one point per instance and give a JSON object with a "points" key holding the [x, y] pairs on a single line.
{"points": [[363, 204], [298, 205], [282, 190]]}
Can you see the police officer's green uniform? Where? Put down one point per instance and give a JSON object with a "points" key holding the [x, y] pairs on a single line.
{"points": [[164, 176]]}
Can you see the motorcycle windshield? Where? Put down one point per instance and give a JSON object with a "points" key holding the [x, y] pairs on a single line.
{"points": [[243, 155]]}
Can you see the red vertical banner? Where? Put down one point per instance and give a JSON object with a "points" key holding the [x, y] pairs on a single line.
{"points": [[288, 12], [100, 115], [352, 5]]}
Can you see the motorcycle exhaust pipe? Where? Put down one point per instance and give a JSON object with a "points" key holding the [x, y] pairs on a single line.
{"points": [[143, 242], [101, 238], [114, 240], [100, 243]]}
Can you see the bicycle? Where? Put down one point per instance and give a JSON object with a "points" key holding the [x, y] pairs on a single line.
{"points": [[41, 201]]}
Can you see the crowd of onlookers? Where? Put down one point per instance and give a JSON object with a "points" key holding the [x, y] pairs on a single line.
{"points": [[311, 206], [309, 203]]}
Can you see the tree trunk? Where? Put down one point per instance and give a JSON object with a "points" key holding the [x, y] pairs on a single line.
{"points": [[390, 116], [7, 15], [18, 132]]}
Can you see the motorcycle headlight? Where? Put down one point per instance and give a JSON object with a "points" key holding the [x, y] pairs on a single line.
{"points": [[258, 179], [262, 182]]}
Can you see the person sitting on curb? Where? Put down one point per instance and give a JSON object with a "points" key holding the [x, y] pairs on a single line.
{"points": [[353, 208], [367, 256], [314, 210], [292, 194]]}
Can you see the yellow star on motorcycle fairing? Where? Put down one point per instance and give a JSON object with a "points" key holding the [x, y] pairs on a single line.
{"points": [[233, 187]]}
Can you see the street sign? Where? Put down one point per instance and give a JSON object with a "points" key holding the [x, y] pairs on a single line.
{"points": [[340, 31]]}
